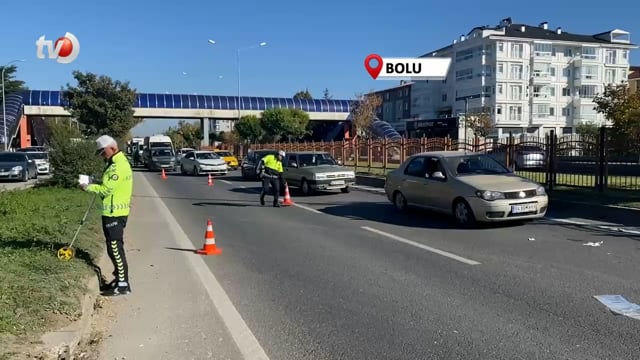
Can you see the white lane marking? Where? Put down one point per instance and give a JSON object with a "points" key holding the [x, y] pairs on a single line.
{"points": [[423, 247], [226, 181], [603, 227], [307, 208], [242, 335]]}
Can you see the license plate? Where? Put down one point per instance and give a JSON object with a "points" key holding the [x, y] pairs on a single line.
{"points": [[337, 182], [523, 208]]}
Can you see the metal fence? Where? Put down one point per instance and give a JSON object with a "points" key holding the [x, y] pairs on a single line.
{"points": [[595, 161]]}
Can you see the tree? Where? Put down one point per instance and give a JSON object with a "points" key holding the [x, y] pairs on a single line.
{"points": [[249, 128], [588, 131], [230, 137], [480, 124], [303, 95], [11, 85], [327, 95], [284, 123], [364, 111], [621, 107], [103, 105], [185, 134]]}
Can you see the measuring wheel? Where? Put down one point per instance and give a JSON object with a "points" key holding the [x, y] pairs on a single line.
{"points": [[66, 253]]}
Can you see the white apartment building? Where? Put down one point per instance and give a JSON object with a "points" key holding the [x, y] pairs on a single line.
{"points": [[531, 79]]}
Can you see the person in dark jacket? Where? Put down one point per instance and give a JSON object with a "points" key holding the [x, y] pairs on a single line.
{"points": [[271, 173]]}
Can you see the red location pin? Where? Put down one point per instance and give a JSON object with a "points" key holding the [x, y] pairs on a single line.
{"points": [[374, 71]]}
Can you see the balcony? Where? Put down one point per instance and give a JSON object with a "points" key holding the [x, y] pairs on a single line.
{"points": [[542, 77], [590, 60], [542, 97], [587, 79]]}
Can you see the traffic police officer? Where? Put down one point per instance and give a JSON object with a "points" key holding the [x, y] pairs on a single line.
{"points": [[115, 190], [271, 173]]}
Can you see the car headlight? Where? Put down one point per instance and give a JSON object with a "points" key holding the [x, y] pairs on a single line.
{"points": [[351, 174], [319, 177], [490, 195], [17, 168], [540, 191]]}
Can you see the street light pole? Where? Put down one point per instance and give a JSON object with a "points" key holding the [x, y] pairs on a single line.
{"points": [[238, 65], [4, 105], [466, 117]]}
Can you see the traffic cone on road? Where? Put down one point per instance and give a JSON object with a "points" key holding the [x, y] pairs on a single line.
{"points": [[210, 181], [287, 197], [209, 247], [164, 175]]}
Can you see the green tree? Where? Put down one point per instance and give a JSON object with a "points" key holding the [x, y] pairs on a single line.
{"points": [[619, 106], [303, 95], [11, 84], [71, 155], [296, 124], [185, 134], [327, 95], [588, 131], [249, 128], [283, 123], [364, 111], [102, 105]]}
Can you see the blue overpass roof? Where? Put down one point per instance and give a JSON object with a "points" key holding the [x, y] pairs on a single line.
{"points": [[180, 101]]}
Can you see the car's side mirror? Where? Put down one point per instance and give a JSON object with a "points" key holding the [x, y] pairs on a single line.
{"points": [[438, 175], [293, 164], [340, 162]]}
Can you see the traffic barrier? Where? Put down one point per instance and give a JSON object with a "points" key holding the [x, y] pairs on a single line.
{"points": [[287, 197], [210, 181], [164, 175], [209, 247]]}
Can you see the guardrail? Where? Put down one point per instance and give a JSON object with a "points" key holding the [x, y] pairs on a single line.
{"points": [[597, 162]]}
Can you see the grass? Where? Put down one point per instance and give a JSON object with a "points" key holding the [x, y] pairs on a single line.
{"points": [[622, 190], [38, 292]]}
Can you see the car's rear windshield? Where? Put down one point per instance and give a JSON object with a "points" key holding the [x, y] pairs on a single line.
{"points": [[38, 155], [207, 156], [315, 159], [162, 152], [12, 157]]}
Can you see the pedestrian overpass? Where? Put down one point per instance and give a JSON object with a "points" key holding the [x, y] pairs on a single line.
{"points": [[44, 103]]}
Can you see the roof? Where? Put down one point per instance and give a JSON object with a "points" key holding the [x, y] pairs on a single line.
{"points": [[634, 72], [538, 33]]}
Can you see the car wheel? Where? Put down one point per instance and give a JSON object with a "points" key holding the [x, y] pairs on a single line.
{"points": [[35, 176], [304, 186], [463, 213], [399, 201], [25, 176], [346, 190], [183, 171], [196, 171]]}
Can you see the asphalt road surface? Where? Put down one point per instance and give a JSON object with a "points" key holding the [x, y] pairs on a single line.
{"points": [[344, 276]]}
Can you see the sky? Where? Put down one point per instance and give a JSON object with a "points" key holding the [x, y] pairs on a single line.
{"points": [[161, 46]]}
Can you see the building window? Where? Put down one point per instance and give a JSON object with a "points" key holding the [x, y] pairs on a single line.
{"points": [[515, 92], [465, 74], [590, 53], [589, 72], [444, 81], [542, 49], [610, 57], [516, 50], [566, 111], [543, 70], [552, 111], [566, 91], [625, 54], [623, 75], [566, 72], [500, 68], [588, 91], [568, 52], [500, 89], [610, 76], [487, 70], [444, 97], [515, 113], [406, 105], [486, 90], [541, 91], [386, 96], [499, 110], [541, 111], [516, 72], [406, 92], [500, 47]]}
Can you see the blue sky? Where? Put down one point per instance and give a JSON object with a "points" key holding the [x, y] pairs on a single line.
{"points": [[314, 45]]}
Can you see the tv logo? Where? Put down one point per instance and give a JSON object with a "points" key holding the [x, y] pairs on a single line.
{"points": [[65, 50]]}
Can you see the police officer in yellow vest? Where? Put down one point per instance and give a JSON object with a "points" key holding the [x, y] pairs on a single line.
{"points": [[115, 190], [270, 170]]}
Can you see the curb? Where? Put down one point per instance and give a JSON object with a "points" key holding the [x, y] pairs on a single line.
{"points": [[378, 182], [61, 344]]}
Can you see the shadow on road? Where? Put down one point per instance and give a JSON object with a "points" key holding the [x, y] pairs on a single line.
{"points": [[179, 249], [224, 203], [593, 229]]}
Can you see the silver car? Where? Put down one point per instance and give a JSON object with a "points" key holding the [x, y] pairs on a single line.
{"points": [[17, 166], [203, 162]]}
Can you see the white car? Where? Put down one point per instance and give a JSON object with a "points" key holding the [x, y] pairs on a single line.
{"points": [[41, 159], [203, 162]]}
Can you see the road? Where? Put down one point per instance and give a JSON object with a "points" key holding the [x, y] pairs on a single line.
{"points": [[17, 185], [343, 276]]}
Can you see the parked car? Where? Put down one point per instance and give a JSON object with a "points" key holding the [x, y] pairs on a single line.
{"points": [[311, 171], [472, 187], [32, 149], [41, 159], [161, 158], [250, 163], [525, 156], [17, 166], [203, 162], [232, 161]]}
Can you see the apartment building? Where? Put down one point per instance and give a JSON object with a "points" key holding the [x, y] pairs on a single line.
{"points": [[531, 79], [634, 78], [396, 105]]}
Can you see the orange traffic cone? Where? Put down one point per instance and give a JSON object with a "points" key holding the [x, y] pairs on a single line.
{"points": [[209, 247], [287, 197], [164, 175], [210, 181]]}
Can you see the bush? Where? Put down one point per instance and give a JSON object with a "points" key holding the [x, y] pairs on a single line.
{"points": [[72, 155]]}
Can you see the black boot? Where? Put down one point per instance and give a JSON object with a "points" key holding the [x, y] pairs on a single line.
{"points": [[261, 200]]}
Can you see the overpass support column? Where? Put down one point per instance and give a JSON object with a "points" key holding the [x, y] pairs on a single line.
{"points": [[204, 128]]}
